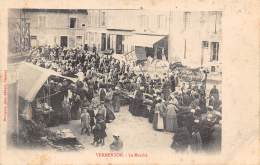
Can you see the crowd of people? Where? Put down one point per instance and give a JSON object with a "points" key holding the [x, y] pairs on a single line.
{"points": [[104, 84]]}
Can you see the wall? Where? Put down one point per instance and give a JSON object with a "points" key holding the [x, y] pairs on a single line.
{"points": [[192, 30], [56, 25], [185, 31]]}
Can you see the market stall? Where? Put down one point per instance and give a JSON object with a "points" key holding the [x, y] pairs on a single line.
{"points": [[34, 91]]}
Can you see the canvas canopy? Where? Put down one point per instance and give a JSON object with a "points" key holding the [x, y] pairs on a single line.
{"points": [[31, 78], [145, 40]]}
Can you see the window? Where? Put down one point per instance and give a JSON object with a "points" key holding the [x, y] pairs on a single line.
{"points": [[186, 20], [72, 22], [161, 21], [91, 36], [185, 47], [79, 40], [141, 21], [214, 51], [42, 21], [215, 22], [147, 25], [34, 37], [103, 17], [202, 18], [205, 44], [89, 19]]}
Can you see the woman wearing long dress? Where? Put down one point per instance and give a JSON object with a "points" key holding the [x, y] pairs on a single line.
{"points": [[196, 142], [171, 118], [137, 103], [158, 117], [102, 94], [75, 106], [66, 110], [108, 100], [116, 99]]}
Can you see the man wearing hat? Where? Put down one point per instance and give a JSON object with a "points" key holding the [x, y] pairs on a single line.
{"points": [[117, 143]]}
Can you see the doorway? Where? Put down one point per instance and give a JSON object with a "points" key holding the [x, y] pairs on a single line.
{"points": [[103, 41], [108, 41], [204, 47], [79, 40], [214, 51], [64, 41], [119, 44]]}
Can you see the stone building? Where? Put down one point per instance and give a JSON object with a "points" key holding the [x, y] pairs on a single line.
{"points": [[196, 38], [56, 26], [192, 37]]}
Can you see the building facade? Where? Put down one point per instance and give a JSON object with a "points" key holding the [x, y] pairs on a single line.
{"points": [[194, 38], [130, 33], [56, 26]]}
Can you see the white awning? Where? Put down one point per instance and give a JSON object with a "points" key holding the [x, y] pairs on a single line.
{"points": [[32, 77], [145, 40]]}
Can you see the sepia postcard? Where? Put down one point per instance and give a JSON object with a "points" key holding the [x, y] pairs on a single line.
{"points": [[129, 82]]}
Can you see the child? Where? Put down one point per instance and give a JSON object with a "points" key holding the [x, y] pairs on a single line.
{"points": [[102, 131], [92, 118], [96, 131], [85, 120]]}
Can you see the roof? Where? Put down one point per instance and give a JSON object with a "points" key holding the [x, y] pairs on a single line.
{"points": [[31, 78], [81, 11]]}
